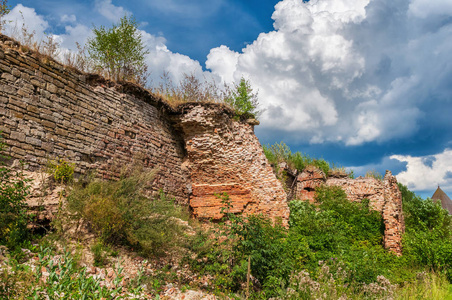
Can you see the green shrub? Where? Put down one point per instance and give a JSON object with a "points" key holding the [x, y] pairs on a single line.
{"points": [[61, 170], [243, 100], [278, 153], [118, 212], [13, 209], [428, 238], [119, 50], [98, 250]]}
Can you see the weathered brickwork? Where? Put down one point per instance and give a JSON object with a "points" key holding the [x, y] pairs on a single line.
{"points": [[384, 196], [225, 156], [48, 111], [307, 182]]}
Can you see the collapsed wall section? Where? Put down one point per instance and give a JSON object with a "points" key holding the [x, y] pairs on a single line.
{"points": [[48, 111], [384, 196], [224, 156]]}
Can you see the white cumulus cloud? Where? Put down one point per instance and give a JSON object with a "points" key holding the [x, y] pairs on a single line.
{"points": [[346, 71], [426, 172]]}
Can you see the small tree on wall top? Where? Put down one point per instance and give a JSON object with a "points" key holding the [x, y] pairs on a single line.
{"points": [[243, 100], [119, 51]]}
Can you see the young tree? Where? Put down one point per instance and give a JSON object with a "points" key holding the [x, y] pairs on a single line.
{"points": [[243, 100], [119, 51]]}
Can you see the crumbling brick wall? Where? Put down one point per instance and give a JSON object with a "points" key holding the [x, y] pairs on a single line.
{"points": [[50, 111], [384, 196], [225, 156]]}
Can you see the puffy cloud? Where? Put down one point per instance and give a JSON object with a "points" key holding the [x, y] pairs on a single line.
{"points": [[426, 172], [25, 17], [68, 18], [425, 8], [347, 71], [110, 11]]}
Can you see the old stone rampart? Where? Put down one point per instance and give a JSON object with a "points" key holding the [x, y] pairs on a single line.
{"points": [[49, 111]]}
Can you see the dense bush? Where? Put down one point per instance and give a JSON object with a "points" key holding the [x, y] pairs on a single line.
{"points": [[428, 238], [118, 212]]}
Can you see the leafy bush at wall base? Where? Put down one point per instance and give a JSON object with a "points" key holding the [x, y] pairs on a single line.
{"points": [[118, 212], [13, 209]]}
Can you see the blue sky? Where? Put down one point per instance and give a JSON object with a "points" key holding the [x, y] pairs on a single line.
{"points": [[366, 84]]}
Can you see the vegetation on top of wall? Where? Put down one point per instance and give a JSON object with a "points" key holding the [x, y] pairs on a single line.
{"points": [[373, 174], [4, 10], [279, 153], [242, 99], [119, 51]]}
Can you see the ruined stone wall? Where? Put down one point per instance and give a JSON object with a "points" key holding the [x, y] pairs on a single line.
{"points": [[384, 196], [48, 111], [225, 156]]}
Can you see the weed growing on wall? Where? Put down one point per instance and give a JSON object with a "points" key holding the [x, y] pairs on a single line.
{"points": [[61, 171], [4, 10], [119, 51]]}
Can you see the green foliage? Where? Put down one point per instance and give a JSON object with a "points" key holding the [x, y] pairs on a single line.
{"points": [[62, 171], [13, 209], [54, 277], [243, 100], [118, 212], [428, 237], [120, 51], [278, 153], [337, 227], [98, 250]]}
